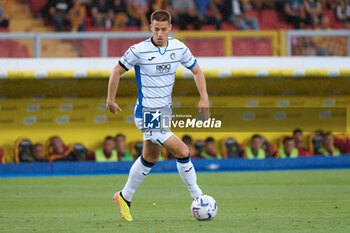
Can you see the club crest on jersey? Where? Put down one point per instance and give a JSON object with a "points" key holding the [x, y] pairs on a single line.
{"points": [[172, 56]]}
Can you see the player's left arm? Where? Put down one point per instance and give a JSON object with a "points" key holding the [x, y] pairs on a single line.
{"points": [[202, 89]]}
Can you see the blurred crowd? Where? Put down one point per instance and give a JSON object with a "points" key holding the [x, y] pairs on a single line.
{"points": [[4, 22], [116, 148], [73, 15]]}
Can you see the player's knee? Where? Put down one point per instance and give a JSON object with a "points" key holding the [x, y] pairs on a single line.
{"points": [[183, 153], [150, 158]]}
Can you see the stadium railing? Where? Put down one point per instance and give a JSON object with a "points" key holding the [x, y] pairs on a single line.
{"points": [[229, 38], [202, 43], [336, 41]]}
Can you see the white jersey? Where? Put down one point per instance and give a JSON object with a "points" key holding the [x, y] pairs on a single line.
{"points": [[155, 69]]}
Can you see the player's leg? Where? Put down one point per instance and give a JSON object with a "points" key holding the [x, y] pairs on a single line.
{"points": [[184, 164], [141, 167], [138, 172]]}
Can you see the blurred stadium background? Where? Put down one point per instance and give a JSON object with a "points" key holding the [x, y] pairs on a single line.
{"points": [[54, 83]]}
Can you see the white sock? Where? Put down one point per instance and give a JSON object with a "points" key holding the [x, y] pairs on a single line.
{"points": [[137, 174], [188, 175]]}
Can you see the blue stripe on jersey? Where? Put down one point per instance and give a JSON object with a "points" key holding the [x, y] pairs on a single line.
{"points": [[150, 52], [194, 63], [174, 49], [138, 112], [168, 50], [127, 61], [158, 86], [134, 53], [188, 60], [160, 63], [156, 97], [185, 51], [158, 75]]}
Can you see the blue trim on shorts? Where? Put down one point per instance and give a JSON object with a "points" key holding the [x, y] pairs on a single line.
{"points": [[159, 142]]}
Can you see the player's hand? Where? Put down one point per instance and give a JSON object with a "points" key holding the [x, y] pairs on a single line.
{"points": [[113, 107], [204, 106]]}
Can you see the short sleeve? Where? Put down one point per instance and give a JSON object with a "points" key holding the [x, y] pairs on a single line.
{"points": [[188, 60], [130, 58]]}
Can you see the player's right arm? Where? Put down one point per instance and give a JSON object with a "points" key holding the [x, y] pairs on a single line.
{"points": [[113, 84], [126, 62]]}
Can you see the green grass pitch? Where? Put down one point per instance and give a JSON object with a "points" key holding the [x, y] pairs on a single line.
{"points": [[281, 201]]}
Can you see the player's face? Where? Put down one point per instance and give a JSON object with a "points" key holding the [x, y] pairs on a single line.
{"points": [[160, 31]]}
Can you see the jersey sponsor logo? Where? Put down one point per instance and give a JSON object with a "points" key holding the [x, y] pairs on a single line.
{"points": [[172, 56], [150, 59], [162, 69]]}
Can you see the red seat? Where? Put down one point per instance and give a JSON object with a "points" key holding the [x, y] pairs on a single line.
{"points": [[17, 50], [228, 26], [37, 5], [93, 29], [208, 27], [262, 47], [4, 30], [252, 14], [4, 51], [285, 25], [117, 47], [90, 48], [206, 47], [23, 52], [243, 47], [269, 20], [88, 21]]}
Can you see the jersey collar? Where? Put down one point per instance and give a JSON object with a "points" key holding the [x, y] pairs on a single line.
{"points": [[159, 47]]}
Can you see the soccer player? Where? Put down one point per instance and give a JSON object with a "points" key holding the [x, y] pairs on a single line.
{"points": [[155, 61]]}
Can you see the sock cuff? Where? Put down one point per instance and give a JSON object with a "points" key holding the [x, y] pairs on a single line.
{"points": [[127, 202], [145, 163], [183, 160]]}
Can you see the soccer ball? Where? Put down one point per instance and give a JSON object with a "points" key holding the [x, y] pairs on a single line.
{"points": [[204, 208]]}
